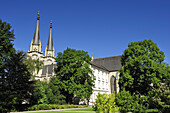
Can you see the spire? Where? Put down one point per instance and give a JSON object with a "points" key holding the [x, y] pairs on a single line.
{"points": [[50, 48], [36, 38], [36, 43]]}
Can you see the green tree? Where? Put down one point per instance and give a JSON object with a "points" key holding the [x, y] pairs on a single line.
{"points": [[143, 71], [6, 49], [17, 86], [74, 74], [14, 76]]}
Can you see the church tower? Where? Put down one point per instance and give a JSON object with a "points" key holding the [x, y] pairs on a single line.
{"points": [[49, 51], [35, 46]]}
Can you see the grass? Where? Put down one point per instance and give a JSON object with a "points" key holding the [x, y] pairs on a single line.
{"points": [[63, 112], [84, 110]]}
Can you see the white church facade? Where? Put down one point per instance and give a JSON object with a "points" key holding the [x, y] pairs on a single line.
{"points": [[104, 69]]}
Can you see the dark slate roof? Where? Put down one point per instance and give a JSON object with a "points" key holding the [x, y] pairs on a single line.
{"points": [[49, 69], [50, 40], [108, 63]]}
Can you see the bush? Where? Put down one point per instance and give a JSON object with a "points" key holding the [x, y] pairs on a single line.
{"points": [[53, 106], [105, 103]]}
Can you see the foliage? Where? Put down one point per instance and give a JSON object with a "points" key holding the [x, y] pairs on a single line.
{"points": [[38, 94], [46, 93], [144, 73], [6, 49], [33, 65], [105, 103], [131, 103], [74, 76], [141, 67], [124, 100], [15, 84], [55, 97]]}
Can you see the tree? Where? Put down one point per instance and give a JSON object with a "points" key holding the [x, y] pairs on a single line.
{"points": [[6, 49], [17, 86], [74, 74], [143, 71]]}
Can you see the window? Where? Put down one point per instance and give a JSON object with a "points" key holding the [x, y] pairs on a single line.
{"points": [[117, 76], [99, 84]]}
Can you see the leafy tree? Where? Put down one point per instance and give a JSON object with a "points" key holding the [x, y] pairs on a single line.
{"points": [[141, 67], [143, 71], [105, 103], [17, 86], [14, 77], [6, 49], [74, 74]]}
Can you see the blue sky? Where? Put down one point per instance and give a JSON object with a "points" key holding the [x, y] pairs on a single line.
{"points": [[101, 27]]}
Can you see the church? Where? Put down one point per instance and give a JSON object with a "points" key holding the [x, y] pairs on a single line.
{"points": [[104, 69]]}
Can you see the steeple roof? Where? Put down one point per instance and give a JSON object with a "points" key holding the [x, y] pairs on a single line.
{"points": [[50, 46], [36, 38]]}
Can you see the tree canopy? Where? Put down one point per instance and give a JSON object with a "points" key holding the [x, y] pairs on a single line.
{"points": [[74, 75], [143, 71]]}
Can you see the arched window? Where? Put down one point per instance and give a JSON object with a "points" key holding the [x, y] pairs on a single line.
{"points": [[113, 85]]}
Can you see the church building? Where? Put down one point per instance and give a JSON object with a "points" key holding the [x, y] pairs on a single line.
{"points": [[104, 69], [36, 53]]}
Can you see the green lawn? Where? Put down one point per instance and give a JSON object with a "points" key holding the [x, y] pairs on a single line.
{"points": [[85, 110]]}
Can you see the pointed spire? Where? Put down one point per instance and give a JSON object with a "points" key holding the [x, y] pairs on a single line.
{"points": [[36, 38], [50, 47], [36, 43]]}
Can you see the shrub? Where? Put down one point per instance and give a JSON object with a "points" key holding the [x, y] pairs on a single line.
{"points": [[105, 103], [53, 106]]}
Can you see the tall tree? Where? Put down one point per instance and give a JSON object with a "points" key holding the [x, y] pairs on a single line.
{"points": [[6, 49], [143, 71], [15, 84], [74, 74]]}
